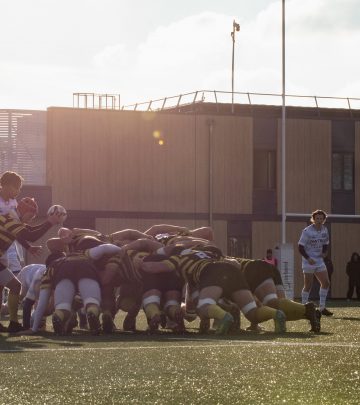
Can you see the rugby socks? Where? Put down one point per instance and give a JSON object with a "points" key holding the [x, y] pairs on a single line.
{"points": [[265, 313], [322, 297], [152, 310], [293, 310], [215, 312], [13, 304], [305, 296], [172, 310], [62, 314]]}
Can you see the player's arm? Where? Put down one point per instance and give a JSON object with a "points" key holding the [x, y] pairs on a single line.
{"points": [[128, 234], [144, 245], [108, 249], [165, 228], [32, 233], [90, 232], [325, 250]]}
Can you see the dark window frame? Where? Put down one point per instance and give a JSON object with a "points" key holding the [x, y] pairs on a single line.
{"points": [[338, 182], [266, 180]]}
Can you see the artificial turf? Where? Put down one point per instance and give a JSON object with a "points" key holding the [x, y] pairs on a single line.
{"points": [[247, 368]]}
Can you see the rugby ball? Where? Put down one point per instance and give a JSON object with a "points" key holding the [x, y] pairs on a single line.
{"points": [[58, 209]]}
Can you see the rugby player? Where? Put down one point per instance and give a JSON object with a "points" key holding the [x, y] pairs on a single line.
{"points": [[313, 247]]}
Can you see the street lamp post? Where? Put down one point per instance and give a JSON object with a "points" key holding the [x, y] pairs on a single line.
{"points": [[236, 27]]}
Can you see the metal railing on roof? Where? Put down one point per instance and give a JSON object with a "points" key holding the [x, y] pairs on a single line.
{"points": [[225, 97], [95, 100]]}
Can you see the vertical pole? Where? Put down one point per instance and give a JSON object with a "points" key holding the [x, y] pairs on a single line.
{"points": [[283, 130], [211, 128], [232, 69]]}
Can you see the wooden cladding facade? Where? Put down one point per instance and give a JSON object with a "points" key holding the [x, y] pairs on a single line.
{"points": [[110, 164], [112, 161]]}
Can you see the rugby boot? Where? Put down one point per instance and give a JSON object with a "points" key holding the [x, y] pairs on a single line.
{"points": [[314, 316], [224, 325], [108, 325], [204, 326], [14, 327], [326, 312], [58, 325], [94, 323], [129, 324]]}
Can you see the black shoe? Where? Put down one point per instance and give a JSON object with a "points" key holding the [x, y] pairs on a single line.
{"points": [[71, 323], [326, 312], [14, 327], [129, 324], [154, 324], [163, 320], [94, 323], [58, 325], [108, 325], [204, 326], [314, 316]]}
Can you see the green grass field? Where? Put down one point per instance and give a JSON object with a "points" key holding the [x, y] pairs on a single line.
{"points": [[296, 368]]}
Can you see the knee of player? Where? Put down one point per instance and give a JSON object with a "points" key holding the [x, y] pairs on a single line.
{"points": [[203, 305], [250, 311]]}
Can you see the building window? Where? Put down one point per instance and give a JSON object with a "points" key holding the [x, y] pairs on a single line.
{"points": [[264, 169], [239, 247], [343, 171]]}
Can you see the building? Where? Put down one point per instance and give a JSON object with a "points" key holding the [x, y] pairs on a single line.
{"points": [[198, 164]]}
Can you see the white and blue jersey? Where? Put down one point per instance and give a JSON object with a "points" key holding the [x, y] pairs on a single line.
{"points": [[313, 241]]}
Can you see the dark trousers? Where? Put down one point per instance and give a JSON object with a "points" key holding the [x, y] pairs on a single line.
{"points": [[353, 285]]}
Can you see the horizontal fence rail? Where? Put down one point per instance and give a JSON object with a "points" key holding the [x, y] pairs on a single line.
{"points": [[225, 97]]}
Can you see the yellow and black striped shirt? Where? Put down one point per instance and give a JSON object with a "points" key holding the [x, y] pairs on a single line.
{"points": [[128, 265], [83, 241], [189, 263], [47, 280], [9, 229]]}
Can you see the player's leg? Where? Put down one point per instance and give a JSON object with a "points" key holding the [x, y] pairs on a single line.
{"points": [[91, 296], [322, 275], [151, 305], [266, 292], [108, 280], [8, 280], [308, 275], [129, 300], [254, 314], [63, 298]]}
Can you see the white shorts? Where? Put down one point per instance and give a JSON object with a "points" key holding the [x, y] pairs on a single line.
{"points": [[314, 269]]}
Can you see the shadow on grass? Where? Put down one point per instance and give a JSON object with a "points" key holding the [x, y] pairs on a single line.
{"points": [[348, 318], [82, 338]]}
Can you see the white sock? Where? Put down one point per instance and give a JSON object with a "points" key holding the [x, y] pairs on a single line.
{"points": [[322, 295], [305, 296]]}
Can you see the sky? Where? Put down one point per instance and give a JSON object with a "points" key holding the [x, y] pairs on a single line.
{"points": [[146, 50]]}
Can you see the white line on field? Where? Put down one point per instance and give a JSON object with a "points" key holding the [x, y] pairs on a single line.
{"points": [[193, 346]]}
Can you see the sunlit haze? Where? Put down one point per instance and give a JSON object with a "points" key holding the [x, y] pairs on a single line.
{"points": [[151, 49]]}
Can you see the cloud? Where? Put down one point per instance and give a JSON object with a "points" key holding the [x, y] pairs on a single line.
{"points": [[194, 53]]}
